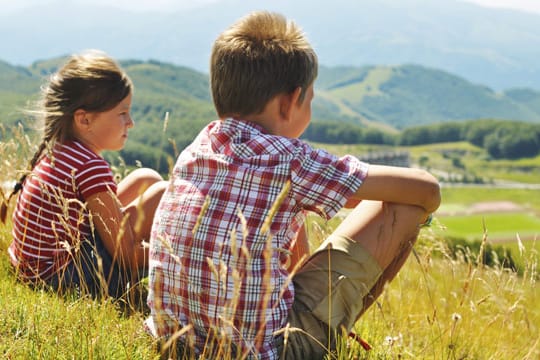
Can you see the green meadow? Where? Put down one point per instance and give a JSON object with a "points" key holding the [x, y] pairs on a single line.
{"points": [[503, 227], [440, 306]]}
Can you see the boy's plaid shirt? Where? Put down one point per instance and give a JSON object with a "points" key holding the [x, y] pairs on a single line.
{"points": [[211, 266]]}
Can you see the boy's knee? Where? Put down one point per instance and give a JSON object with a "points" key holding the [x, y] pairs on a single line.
{"points": [[402, 208], [404, 216]]}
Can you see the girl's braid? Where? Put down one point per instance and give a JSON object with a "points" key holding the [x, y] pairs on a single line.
{"points": [[19, 184]]}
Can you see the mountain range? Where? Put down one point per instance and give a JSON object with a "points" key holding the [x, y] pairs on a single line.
{"points": [[496, 48], [172, 103], [387, 97]]}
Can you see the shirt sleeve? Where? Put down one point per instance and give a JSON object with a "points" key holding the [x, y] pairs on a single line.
{"points": [[95, 177], [323, 182]]}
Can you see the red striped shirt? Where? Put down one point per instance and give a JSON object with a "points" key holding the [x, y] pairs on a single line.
{"points": [[50, 215]]}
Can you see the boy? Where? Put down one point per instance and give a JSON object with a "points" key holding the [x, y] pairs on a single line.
{"points": [[226, 227]]}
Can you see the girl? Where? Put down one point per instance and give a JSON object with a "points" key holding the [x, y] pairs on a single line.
{"points": [[73, 226]]}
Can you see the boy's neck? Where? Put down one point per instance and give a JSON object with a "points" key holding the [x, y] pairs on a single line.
{"points": [[270, 118]]}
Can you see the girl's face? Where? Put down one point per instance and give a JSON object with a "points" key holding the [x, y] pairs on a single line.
{"points": [[108, 130]]}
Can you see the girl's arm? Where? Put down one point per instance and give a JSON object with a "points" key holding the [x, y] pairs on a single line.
{"points": [[116, 230], [400, 185], [124, 221]]}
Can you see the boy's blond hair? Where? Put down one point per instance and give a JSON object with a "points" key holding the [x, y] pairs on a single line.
{"points": [[258, 57]]}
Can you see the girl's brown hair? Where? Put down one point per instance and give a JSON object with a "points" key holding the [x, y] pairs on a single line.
{"points": [[90, 81], [257, 58]]}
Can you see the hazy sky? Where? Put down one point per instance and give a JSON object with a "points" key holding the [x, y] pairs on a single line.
{"points": [[168, 5], [525, 5], [136, 5]]}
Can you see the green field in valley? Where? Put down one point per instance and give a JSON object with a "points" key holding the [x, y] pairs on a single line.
{"points": [[499, 227], [503, 212]]}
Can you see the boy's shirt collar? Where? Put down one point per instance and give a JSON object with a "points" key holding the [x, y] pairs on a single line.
{"points": [[243, 125]]}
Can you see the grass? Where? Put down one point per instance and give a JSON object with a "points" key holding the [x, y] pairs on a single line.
{"points": [[466, 196], [503, 229], [39, 324], [516, 233], [438, 307], [502, 226], [444, 310], [355, 92], [443, 157], [474, 160]]}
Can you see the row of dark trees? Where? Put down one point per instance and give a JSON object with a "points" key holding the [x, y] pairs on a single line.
{"points": [[152, 145], [501, 139]]}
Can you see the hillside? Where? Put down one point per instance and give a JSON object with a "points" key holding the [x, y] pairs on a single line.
{"points": [[396, 96], [388, 98], [401, 96], [16, 86]]}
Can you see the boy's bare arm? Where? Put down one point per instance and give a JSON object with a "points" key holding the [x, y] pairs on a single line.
{"points": [[399, 185]]}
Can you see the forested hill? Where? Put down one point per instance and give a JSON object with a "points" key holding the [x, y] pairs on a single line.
{"points": [[413, 95], [392, 98]]}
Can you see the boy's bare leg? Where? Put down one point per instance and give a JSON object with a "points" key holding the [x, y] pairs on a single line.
{"points": [[387, 231]]}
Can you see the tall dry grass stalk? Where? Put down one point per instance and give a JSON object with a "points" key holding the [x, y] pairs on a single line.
{"points": [[219, 344], [443, 307], [439, 306], [15, 152]]}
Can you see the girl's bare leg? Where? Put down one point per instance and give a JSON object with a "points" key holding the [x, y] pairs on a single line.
{"points": [[141, 210], [136, 183]]}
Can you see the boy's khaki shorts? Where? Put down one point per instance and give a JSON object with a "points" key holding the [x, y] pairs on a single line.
{"points": [[329, 295]]}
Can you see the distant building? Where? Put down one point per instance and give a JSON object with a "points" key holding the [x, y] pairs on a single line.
{"points": [[391, 158]]}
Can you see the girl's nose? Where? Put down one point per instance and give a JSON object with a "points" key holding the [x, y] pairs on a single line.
{"points": [[130, 122]]}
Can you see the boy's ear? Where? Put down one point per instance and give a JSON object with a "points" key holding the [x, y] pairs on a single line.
{"points": [[288, 103]]}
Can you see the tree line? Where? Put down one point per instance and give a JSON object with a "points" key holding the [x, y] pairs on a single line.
{"points": [[156, 144], [501, 139]]}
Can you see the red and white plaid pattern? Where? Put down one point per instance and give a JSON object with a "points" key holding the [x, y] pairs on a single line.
{"points": [[49, 216], [211, 266]]}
